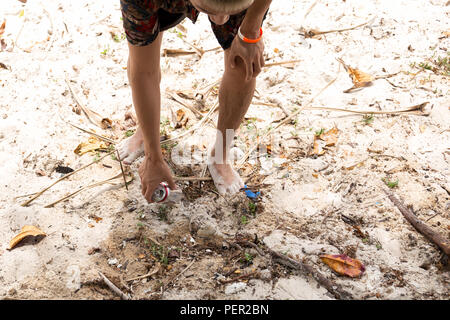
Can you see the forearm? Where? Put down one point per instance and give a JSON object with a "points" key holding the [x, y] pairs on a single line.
{"points": [[147, 103], [254, 17]]}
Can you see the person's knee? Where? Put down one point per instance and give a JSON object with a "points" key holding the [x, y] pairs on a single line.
{"points": [[137, 73]]}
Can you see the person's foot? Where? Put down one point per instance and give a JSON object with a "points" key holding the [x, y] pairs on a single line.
{"points": [[132, 148], [225, 178]]}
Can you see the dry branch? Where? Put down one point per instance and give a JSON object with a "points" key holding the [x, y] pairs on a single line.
{"points": [[195, 127], [420, 226], [281, 63], [417, 110], [96, 184], [286, 120], [174, 97], [335, 289], [176, 52], [90, 132], [113, 287], [223, 281], [92, 116], [26, 203], [312, 32], [155, 271], [193, 178]]}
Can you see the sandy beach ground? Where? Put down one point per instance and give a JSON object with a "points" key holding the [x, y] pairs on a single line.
{"points": [[312, 202]]}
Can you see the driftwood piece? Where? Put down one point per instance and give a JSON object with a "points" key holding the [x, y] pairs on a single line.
{"points": [[420, 226]]}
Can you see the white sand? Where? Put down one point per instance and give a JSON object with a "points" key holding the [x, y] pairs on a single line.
{"points": [[301, 210]]}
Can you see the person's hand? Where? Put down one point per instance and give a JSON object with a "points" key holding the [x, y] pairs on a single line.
{"points": [[152, 173], [251, 55]]}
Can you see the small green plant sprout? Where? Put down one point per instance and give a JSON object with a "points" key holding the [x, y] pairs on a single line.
{"points": [[129, 133], [244, 220], [378, 245], [252, 208], [160, 253], [104, 52], [118, 38], [425, 65], [97, 156], [162, 212], [368, 119], [319, 132], [390, 184], [248, 258], [140, 225]]}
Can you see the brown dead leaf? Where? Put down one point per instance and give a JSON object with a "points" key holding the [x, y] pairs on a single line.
{"points": [[182, 119], [95, 218], [40, 172], [318, 146], [106, 123], [445, 34], [344, 265], [25, 232], [2, 28], [92, 144], [93, 250], [325, 139], [330, 137], [359, 78]]}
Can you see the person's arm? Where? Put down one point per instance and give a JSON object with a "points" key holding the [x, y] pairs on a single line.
{"points": [[254, 17], [251, 53], [144, 75]]}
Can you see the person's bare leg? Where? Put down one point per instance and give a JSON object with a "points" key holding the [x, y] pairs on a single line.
{"points": [[235, 96]]}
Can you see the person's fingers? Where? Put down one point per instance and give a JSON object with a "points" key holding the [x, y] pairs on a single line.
{"points": [[151, 187], [143, 188], [232, 61], [256, 68], [148, 195], [171, 183], [248, 70]]}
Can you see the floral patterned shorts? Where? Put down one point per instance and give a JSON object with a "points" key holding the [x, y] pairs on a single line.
{"points": [[144, 19]]}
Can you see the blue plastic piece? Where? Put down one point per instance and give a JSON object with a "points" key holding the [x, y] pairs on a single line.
{"points": [[250, 194]]}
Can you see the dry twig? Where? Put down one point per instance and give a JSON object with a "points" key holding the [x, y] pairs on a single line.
{"points": [[281, 63], [38, 194], [113, 287], [306, 269], [286, 120], [92, 116], [312, 32], [155, 271], [335, 289], [420, 226], [96, 184]]}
